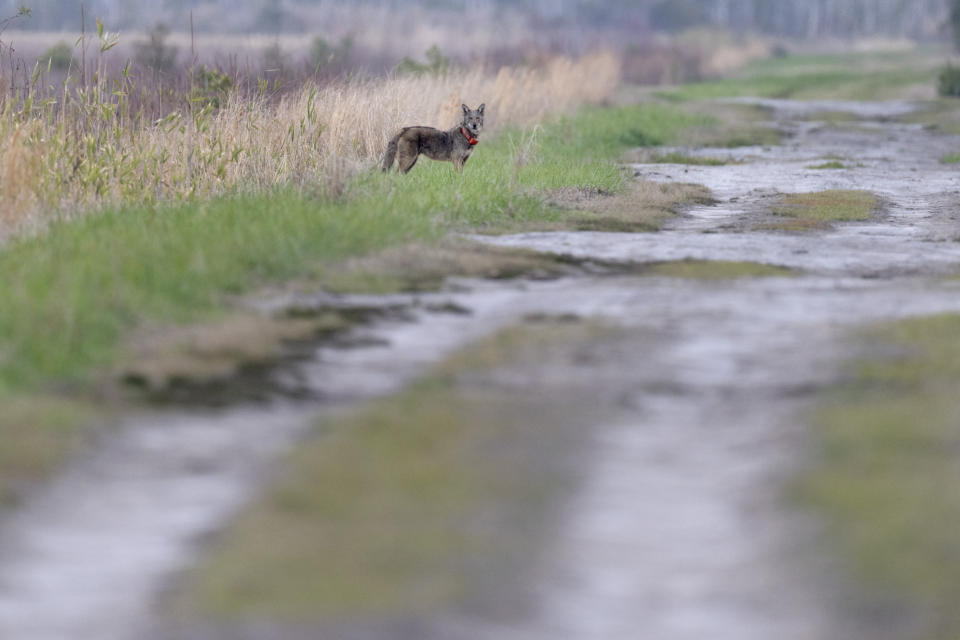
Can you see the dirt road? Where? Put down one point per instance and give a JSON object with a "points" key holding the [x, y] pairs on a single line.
{"points": [[679, 527]]}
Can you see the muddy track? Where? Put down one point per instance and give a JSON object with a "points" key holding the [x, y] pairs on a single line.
{"points": [[679, 528]]}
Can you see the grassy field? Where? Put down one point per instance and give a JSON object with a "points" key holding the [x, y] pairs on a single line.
{"points": [[888, 468], [874, 76]]}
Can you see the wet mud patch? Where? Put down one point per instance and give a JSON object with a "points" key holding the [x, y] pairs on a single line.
{"points": [[650, 156], [418, 268], [716, 269], [243, 357], [833, 117], [433, 501]]}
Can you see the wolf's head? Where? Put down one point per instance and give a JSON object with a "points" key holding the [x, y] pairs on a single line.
{"points": [[473, 118]]}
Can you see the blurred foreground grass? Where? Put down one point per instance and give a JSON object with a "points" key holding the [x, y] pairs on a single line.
{"points": [[424, 501], [888, 471]]}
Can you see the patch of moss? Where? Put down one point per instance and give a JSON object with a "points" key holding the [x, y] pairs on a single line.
{"points": [[818, 210], [833, 164]]}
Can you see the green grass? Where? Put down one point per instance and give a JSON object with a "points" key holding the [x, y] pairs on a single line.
{"points": [[833, 164], [818, 210], [72, 293], [847, 76], [952, 158], [888, 469]]}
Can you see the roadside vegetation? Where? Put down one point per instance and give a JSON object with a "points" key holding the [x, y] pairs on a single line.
{"points": [[887, 469], [100, 143]]}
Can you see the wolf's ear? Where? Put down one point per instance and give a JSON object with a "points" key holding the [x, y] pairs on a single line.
{"points": [[481, 108], [465, 108]]}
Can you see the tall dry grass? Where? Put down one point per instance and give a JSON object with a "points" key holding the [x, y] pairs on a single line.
{"points": [[86, 148]]}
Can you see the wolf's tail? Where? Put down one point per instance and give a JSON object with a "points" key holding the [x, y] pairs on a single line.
{"points": [[391, 153]]}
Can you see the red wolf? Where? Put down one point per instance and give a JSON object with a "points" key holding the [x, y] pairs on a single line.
{"points": [[454, 145]]}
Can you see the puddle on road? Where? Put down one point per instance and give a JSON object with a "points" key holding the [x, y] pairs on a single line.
{"points": [[679, 531]]}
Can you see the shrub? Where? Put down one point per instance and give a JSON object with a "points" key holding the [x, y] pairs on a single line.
{"points": [[274, 56], [436, 64], [59, 57], [323, 55], [154, 52], [949, 81], [954, 20], [210, 86]]}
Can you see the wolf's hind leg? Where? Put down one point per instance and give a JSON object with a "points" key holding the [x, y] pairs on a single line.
{"points": [[407, 156]]}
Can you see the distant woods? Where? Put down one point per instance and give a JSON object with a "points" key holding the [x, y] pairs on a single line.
{"points": [[955, 22], [923, 19]]}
